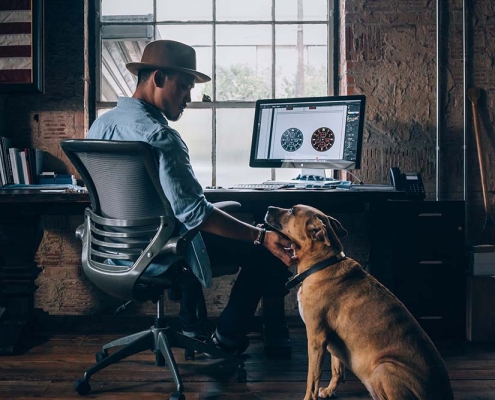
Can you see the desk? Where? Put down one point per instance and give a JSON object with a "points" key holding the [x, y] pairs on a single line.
{"points": [[21, 232], [257, 201], [20, 235]]}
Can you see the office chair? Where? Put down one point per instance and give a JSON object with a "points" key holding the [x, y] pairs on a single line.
{"points": [[131, 220]]}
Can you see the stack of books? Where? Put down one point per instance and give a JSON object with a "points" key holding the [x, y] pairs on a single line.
{"points": [[51, 178], [19, 165]]}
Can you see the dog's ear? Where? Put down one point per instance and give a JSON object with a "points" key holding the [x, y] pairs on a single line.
{"points": [[337, 227], [318, 231]]}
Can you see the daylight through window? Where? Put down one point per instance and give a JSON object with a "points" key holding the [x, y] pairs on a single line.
{"points": [[253, 50]]}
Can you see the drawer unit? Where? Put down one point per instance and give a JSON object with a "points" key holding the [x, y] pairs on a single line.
{"points": [[417, 251]]}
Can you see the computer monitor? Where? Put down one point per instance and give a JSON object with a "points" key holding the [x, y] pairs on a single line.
{"points": [[314, 133]]}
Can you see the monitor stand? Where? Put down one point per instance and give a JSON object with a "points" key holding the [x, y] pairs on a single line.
{"points": [[310, 174], [307, 176]]}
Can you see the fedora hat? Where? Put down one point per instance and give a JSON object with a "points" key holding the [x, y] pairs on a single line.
{"points": [[169, 55]]}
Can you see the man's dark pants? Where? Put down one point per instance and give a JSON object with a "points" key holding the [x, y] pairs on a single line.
{"points": [[261, 275]]}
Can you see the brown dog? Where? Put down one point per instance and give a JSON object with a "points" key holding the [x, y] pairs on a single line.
{"points": [[360, 322]]}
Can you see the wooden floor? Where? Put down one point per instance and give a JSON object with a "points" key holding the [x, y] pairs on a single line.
{"points": [[52, 362]]}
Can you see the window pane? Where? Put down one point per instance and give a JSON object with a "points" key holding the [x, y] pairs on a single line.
{"points": [[252, 10], [199, 37], [301, 10], [102, 111], [184, 10], [234, 133], [301, 60], [127, 10], [116, 80], [243, 62], [195, 129]]}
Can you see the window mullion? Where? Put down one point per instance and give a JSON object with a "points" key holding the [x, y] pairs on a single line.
{"points": [[273, 175], [333, 48], [214, 96], [97, 59]]}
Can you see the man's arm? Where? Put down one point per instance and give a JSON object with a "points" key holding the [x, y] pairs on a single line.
{"points": [[222, 224]]}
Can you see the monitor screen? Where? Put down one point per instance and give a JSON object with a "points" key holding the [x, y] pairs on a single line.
{"points": [[307, 133]]}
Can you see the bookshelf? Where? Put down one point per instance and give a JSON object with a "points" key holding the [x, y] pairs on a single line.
{"points": [[19, 165]]}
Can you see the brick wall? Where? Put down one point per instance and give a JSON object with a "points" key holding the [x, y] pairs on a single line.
{"points": [[388, 53], [390, 57]]}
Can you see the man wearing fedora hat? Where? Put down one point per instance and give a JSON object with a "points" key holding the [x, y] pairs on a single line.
{"points": [[166, 74]]}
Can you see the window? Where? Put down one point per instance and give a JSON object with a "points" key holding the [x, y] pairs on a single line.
{"points": [[251, 49]]}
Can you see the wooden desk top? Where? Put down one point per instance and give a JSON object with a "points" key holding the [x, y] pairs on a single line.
{"points": [[37, 202], [37, 196], [302, 195]]}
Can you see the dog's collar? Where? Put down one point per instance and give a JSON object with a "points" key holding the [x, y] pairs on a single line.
{"points": [[315, 268]]}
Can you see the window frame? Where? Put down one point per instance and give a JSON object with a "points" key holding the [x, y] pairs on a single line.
{"points": [[95, 60]]}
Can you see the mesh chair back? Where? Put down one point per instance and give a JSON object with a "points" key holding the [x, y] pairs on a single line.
{"points": [[122, 177], [131, 219]]}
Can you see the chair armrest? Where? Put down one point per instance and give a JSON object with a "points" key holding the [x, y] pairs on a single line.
{"points": [[227, 206], [80, 231]]}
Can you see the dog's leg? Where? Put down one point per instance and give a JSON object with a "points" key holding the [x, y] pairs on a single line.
{"points": [[338, 376], [316, 355]]}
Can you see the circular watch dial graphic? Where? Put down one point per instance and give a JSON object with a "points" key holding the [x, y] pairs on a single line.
{"points": [[322, 139], [292, 139]]}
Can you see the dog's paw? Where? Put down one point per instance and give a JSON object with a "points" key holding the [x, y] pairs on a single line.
{"points": [[325, 393]]}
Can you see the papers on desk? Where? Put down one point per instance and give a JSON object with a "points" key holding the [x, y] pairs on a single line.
{"points": [[48, 188], [376, 188]]}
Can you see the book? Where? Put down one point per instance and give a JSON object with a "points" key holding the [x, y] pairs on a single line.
{"points": [[24, 167], [39, 156], [8, 166], [16, 168], [3, 175], [3, 163]]}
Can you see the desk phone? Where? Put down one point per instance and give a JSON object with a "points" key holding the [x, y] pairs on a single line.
{"points": [[411, 183]]}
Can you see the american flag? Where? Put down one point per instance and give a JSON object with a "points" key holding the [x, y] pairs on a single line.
{"points": [[15, 41]]}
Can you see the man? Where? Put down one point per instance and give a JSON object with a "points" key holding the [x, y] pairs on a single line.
{"points": [[166, 74]]}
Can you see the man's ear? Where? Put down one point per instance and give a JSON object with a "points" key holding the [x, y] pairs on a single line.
{"points": [[318, 232], [337, 227], [159, 78]]}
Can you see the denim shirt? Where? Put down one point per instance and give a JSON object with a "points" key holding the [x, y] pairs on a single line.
{"points": [[136, 120]]}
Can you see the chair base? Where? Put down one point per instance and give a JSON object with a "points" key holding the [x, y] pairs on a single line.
{"points": [[160, 340]]}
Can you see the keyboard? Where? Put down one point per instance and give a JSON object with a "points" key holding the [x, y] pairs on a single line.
{"points": [[259, 186]]}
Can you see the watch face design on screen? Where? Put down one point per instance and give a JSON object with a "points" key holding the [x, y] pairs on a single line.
{"points": [[292, 139], [322, 139]]}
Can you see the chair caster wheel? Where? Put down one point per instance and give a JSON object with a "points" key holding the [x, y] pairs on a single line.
{"points": [[241, 375], [101, 355], [177, 396], [189, 354], [82, 387]]}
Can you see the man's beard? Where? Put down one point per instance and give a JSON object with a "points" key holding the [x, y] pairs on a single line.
{"points": [[173, 117]]}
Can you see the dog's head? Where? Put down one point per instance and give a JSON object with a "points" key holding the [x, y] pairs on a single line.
{"points": [[309, 229]]}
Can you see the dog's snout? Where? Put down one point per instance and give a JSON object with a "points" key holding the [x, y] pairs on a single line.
{"points": [[272, 216]]}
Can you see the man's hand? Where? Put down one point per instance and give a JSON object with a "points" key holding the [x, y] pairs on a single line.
{"points": [[280, 247]]}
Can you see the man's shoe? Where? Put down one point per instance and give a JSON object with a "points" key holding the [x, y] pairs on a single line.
{"points": [[230, 346]]}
